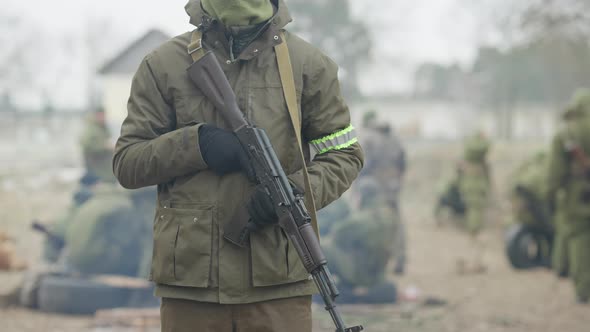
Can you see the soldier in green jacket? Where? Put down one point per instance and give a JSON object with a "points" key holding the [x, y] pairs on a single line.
{"points": [[569, 194], [474, 181], [531, 216], [175, 139], [385, 165], [529, 192], [466, 196], [97, 155]]}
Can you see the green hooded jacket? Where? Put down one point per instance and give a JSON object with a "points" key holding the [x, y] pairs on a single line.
{"points": [[159, 146], [569, 194], [528, 192]]}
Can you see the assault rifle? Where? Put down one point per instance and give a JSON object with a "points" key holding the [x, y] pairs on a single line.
{"points": [[57, 241], [294, 219]]}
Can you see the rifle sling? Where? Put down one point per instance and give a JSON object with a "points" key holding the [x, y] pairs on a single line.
{"points": [[288, 83]]}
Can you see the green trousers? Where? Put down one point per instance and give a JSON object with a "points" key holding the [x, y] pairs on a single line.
{"points": [[284, 315], [559, 259], [579, 260]]}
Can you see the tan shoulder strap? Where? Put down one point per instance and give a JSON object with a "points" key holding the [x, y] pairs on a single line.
{"points": [[195, 47], [288, 83]]}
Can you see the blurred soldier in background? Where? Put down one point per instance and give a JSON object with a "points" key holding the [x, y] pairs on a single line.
{"points": [[569, 194], [530, 238], [106, 229], [529, 191], [97, 149], [111, 233], [332, 214], [466, 196], [97, 152], [385, 165], [359, 248]]}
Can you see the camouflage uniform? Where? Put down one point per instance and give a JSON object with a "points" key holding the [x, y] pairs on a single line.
{"points": [[467, 194], [359, 248], [97, 150], [362, 246], [474, 182], [531, 215], [529, 191], [108, 236], [97, 156], [385, 165], [569, 194], [332, 214]]}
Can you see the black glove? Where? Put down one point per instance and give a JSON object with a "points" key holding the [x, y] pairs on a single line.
{"points": [[222, 151], [261, 208]]}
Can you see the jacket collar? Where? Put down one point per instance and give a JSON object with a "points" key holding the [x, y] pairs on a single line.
{"points": [[214, 31]]}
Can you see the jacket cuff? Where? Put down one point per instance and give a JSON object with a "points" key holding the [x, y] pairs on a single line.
{"points": [[196, 158], [297, 180]]}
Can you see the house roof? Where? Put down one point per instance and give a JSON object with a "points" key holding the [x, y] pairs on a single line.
{"points": [[127, 61]]}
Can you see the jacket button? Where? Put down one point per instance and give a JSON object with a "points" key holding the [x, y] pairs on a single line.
{"points": [[228, 62], [161, 217], [276, 37], [195, 220]]}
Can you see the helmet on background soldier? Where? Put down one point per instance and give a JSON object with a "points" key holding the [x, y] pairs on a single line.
{"points": [[579, 105], [476, 147], [369, 119]]}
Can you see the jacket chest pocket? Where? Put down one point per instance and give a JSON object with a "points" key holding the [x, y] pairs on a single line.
{"points": [[196, 108], [268, 110], [193, 108], [182, 247]]}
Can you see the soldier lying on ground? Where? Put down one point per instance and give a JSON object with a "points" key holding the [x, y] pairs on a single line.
{"points": [[110, 234]]}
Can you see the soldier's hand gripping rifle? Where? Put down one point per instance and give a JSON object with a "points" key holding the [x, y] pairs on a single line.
{"points": [[294, 219]]}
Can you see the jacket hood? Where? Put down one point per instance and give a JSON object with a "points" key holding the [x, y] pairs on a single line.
{"points": [[281, 18]]}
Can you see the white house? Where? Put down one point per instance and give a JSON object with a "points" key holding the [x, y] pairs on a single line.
{"points": [[116, 76]]}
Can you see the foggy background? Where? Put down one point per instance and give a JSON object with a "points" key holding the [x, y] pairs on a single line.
{"points": [[499, 57], [435, 70]]}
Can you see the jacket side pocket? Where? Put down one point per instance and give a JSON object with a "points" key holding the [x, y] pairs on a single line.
{"points": [[182, 246]]}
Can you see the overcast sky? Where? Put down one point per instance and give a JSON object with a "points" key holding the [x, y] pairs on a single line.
{"points": [[421, 29], [404, 33]]}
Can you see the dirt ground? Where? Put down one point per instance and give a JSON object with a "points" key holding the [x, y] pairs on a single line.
{"points": [[499, 300]]}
